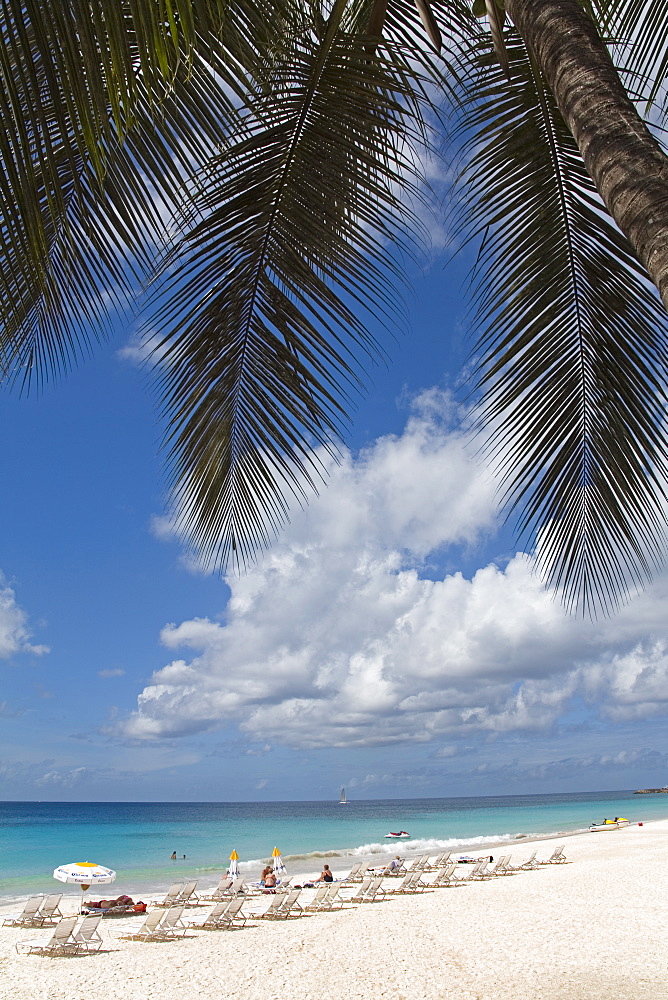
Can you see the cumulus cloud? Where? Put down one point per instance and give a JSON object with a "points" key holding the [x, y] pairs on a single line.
{"points": [[14, 632], [339, 637]]}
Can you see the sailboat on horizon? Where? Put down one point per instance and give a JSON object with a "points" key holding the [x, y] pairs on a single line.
{"points": [[343, 801]]}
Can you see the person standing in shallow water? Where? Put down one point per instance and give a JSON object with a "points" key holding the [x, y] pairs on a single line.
{"points": [[173, 856]]}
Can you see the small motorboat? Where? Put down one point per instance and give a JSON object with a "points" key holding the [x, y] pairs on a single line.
{"points": [[397, 836]]}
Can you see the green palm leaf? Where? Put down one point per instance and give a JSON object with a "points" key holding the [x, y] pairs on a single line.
{"points": [[572, 345], [106, 110], [265, 303]]}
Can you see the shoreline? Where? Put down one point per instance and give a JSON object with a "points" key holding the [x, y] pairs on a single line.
{"points": [[593, 926], [303, 866]]}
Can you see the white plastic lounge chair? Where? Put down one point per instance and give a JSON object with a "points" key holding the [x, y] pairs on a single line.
{"points": [[401, 887], [221, 890], [237, 886], [501, 867], [370, 892], [358, 872], [212, 919], [171, 895], [87, 938], [284, 884], [287, 906], [149, 929], [528, 864], [60, 942], [188, 896], [557, 856], [326, 898], [273, 908], [318, 899], [291, 907], [354, 872], [171, 923], [28, 917], [362, 890], [50, 909], [411, 883], [439, 861], [471, 874], [482, 871], [233, 917], [223, 916], [444, 878], [333, 899]]}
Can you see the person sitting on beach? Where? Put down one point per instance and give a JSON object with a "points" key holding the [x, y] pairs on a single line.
{"points": [[270, 881], [395, 864], [265, 872], [325, 875]]}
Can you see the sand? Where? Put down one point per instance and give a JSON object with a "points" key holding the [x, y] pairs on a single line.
{"points": [[592, 928]]}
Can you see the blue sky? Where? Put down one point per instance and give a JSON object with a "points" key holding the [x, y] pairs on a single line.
{"points": [[393, 640]]}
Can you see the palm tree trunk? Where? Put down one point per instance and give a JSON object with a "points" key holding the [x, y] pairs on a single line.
{"points": [[622, 157]]}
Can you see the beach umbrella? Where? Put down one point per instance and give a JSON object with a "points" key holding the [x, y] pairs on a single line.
{"points": [[85, 874], [233, 870], [279, 867]]}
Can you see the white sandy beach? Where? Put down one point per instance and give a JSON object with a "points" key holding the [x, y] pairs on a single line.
{"points": [[595, 927]]}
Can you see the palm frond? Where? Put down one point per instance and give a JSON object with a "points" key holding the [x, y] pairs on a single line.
{"points": [[639, 30], [105, 111], [265, 296], [572, 343]]}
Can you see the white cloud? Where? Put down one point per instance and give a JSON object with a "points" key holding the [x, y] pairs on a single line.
{"points": [[14, 632], [116, 672], [339, 638]]}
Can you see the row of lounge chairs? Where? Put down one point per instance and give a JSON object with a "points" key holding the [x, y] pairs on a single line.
{"points": [[38, 911], [67, 939], [166, 920]]}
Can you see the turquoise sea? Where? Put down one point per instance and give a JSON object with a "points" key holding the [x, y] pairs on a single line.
{"points": [[136, 839]]}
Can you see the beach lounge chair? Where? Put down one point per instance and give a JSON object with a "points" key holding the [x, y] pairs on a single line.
{"points": [[318, 899], [556, 858], [237, 885], [358, 872], [221, 890], [444, 878], [87, 937], [149, 929], [223, 916], [501, 867], [439, 861], [411, 883], [274, 906], [28, 917], [481, 871], [171, 895], [282, 907], [471, 874], [171, 923], [529, 864], [50, 909], [370, 893], [284, 884], [188, 896], [60, 942], [362, 890], [419, 864], [326, 898]]}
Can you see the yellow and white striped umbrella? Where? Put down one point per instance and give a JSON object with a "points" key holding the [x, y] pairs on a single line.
{"points": [[233, 870]]}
